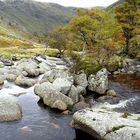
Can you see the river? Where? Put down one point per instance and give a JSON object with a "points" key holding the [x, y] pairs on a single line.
{"points": [[41, 123]]}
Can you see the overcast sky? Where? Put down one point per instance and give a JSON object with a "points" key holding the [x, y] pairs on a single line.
{"points": [[81, 3]]}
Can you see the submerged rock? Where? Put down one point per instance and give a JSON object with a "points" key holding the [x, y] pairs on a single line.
{"points": [[99, 82], [102, 123], [79, 106], [9, 108]]}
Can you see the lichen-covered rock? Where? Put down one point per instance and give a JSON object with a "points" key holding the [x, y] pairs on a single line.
{"points": [[11, 77], [63, 84], [9, 108], [49, 76], [32, 72], [26, 63], [81, 90], [99, 82], [81, 80], [24, 81], [59, 105], [44, 67], [52, 96], [102, 123], [41, 89], [74, 94]]}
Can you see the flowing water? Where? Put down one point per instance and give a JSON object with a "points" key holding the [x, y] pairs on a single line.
{"points": [[38, 122], [41, 123], [128, 87]]}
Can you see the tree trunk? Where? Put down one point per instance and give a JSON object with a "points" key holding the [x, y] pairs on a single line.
{"points": [[127, 45]]}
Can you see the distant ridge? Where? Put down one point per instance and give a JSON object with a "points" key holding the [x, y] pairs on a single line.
{"points": [[35, 17], [116, 3]]}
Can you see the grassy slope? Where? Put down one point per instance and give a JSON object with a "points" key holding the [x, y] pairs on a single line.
{"points": [[12, 43]]}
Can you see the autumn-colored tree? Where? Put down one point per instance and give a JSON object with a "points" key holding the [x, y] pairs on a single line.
{"points": [[127, 15], [57, 39]]}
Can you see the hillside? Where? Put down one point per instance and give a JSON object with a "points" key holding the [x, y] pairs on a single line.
{"points": [[35, 17], [116, 3]]}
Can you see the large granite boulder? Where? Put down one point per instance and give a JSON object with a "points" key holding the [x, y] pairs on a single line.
{"points": [[99, 82], [81, 80], [58, 100], [41, 89], [104, 124], [9, 108], [24, 81], [52, 96]]}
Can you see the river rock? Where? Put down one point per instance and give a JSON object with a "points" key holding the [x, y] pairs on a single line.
{"points": [[81, 90], [44, 67], [11, 77], [81, 80], [63, 84], [49, 76], [32, 72], [79, 106], [52, 97], [24, 81], [26, 63], [1, 65], [99, 82], [74, 94], [7, 62], [2, 79], [111, 92], [109, 99], [108, 125], [9, 108], [41, 89]]}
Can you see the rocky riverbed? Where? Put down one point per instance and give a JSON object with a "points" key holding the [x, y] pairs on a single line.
{"points": [[39, 93]]}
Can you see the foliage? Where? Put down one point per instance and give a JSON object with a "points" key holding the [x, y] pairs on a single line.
{"points": [[57, 39], [127, 15]]}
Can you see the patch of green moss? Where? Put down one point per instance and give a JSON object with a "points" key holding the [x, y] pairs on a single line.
{"points": [[115, 128], [126, 114]]}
